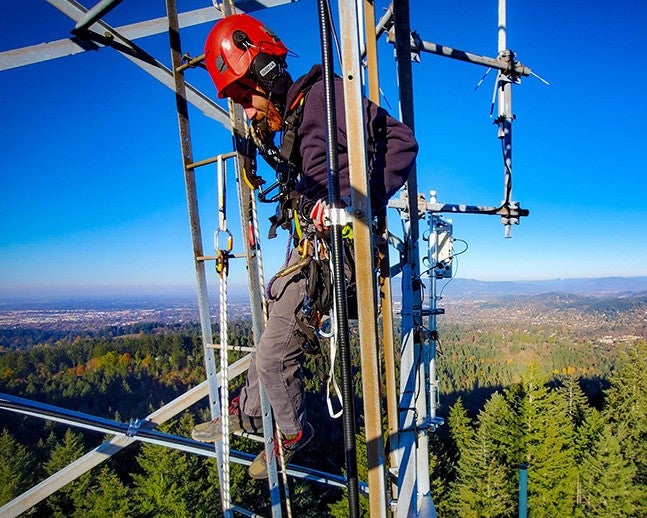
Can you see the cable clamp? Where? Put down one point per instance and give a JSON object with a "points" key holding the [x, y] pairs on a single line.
{"points": [[133, 427], [338, 216], [341, 217]]}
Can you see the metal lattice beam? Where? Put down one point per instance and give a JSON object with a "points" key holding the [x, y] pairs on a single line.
{"points": [[69, 46]]}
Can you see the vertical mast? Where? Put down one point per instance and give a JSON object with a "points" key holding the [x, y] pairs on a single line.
{"points": [[413, 474], [504, 114]]}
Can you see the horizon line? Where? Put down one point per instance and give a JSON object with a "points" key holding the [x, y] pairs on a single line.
{"points": [[160, 290]]}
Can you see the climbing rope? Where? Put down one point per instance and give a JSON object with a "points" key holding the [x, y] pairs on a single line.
{"points": [[222, 269]]}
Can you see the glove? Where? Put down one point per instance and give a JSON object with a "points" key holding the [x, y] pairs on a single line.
{"points": [[320, 215]]}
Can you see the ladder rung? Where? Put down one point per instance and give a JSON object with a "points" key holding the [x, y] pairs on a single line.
{"points": [[233, 347], [191, 63], [214, 257], [211, 160]]}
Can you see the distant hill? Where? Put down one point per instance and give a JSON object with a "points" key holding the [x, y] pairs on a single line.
{"points": [[460, 288], [455, 288]]}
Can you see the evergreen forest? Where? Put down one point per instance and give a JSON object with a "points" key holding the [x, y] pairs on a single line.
{"points": [[553, 398]]}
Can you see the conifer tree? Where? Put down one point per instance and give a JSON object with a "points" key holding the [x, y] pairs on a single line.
{"points": [[504, 429], [105, 495], [459, 425], [577, 404], [172, 482], [626, 412], [484, 487], [16, 468], [63, 453], [626, 407], [440, 473], [586, 421], [547, 446], [607, 478]]}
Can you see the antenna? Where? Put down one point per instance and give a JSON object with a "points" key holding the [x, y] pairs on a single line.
{"points": [[505, 117]]}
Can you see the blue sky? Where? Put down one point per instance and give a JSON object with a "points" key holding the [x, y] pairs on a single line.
{"points": [[90, 173]]}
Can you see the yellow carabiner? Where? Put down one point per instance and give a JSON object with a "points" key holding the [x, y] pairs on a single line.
{"points": [[222, 263]]}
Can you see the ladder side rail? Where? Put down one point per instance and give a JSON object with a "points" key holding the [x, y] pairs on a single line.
{"points": [[256, 289], [384, 283], [196, 234], [363, 245]]}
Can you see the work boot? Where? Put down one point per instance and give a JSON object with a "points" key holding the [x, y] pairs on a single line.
{"points": [[211, 431], [291, 445]]}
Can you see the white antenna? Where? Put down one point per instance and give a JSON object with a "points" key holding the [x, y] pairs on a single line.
{"points": [[505, 116]]}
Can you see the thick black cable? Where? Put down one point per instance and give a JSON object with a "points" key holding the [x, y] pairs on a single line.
{"points": [[339, 281]]}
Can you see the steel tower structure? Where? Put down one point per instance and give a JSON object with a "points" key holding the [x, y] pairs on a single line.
{"points": [[398, 485]]}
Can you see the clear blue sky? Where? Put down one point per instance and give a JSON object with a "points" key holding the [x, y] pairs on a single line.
{"points": [[90, 172]]}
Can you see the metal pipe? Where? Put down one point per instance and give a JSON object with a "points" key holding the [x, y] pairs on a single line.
{"points": [[94, 13], [339, 281], [191, 63], [211, 160], [402, 204], [375, 31], [241, 348], [523, 490], [385, 21], [511, 67]]}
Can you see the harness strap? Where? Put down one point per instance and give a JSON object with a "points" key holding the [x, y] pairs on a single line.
{"points": [[291, 122]]}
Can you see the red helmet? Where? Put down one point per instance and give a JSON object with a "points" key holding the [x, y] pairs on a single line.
{"points": [[233, 44]]}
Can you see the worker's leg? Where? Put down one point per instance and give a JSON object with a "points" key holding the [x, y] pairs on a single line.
{"points": [[278, 356]]}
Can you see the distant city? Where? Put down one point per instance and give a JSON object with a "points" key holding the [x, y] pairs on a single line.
{"points": [[462, 299]]}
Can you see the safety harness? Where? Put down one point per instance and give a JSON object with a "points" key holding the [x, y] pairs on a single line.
{"points": [[292, 213]]}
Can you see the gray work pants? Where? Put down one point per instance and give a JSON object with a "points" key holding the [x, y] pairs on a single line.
{"points": [[278, 357]]}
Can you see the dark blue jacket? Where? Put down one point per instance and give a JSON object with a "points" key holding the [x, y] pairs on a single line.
{"points": [[391, 145]]}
